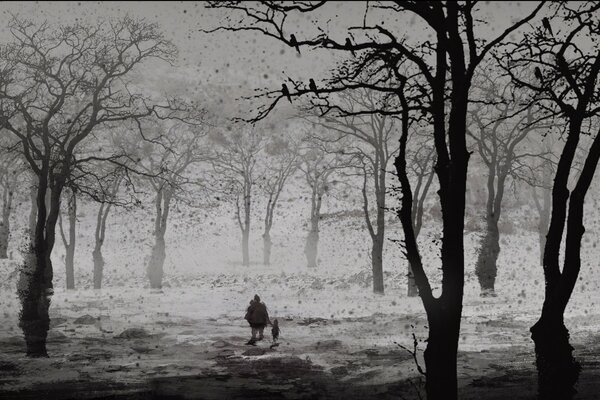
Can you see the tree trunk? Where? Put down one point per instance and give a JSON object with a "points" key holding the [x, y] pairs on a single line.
{"points": [[35, 279], [486, 268], [245, 248], [4, 234], [558, 370], [157, 261], [267, 244], [311, 248], [412, 284], [377, 265], [441, 352], [155, 270], [98, 266], [5, 223], [70, 248], [34, 295]]}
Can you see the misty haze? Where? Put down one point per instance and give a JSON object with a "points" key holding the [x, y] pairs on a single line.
{"points": [[299, 200]]}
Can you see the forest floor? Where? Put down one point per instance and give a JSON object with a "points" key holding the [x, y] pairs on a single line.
{"points": [[338, 341]]}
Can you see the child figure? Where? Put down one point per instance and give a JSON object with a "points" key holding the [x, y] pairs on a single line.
{"points": [[275, 332]]}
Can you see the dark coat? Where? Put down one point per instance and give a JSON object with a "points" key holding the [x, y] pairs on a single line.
{"points": [[257, 315]]}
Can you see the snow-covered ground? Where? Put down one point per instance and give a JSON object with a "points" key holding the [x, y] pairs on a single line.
{"points": [[334, 329]]}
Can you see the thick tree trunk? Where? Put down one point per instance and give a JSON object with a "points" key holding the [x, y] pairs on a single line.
{"points": [[412, 284], [486, 267], [156, 263], [558, 370], [98, 266], [441, 352], [377, 265], [267, 244], [155, 269], [245, 248], [35, 279], [311, 248], [35, 297]]}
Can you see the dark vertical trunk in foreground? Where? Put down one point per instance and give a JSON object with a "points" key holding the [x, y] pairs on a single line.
{"points": [[558, 371], [35, 287]]}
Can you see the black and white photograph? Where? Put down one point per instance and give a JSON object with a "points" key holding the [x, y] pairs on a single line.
{"points": [[289, 200]]}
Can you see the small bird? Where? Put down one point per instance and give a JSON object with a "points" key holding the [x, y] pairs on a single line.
{"points": [[538, 74], [349, 46], [313, 86], [286, 92], [547, 25], [294, 42]]}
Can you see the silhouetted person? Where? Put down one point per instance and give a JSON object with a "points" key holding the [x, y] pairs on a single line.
{"points": [[275, 333], [294, 43], [258, 317], [248, 317], [349, 46], [313, 86], [286, 92]]}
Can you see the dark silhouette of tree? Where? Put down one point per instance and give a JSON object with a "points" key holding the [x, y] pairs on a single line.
{"points": [[57, 85], [281, 162], [442, 67], [565, 89]]}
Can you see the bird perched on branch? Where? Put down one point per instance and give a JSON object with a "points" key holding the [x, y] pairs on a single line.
{"points": [[313, 86], [538, 74], [349, 46], [547, 25], [294, 43], [286, 92]]}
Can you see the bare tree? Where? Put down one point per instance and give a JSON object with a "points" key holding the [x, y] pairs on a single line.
{"points": [[500, 126], [374, 143], [565, 88], [235, 163], [444, 66], [107, 201], [281, 162], [57, 85], [167, 156], [318, 167]]}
